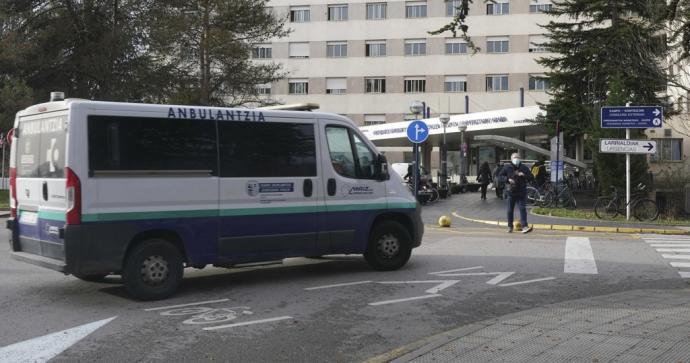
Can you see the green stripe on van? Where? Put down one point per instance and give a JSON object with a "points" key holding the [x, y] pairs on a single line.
{"points": [[55, 216], [107, 217]]}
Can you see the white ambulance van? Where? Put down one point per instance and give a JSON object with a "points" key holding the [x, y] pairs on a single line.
{"points": [[143, 191]]}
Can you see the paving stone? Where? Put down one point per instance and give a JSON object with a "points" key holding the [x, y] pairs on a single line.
{"points": [[650, 348], [496, 330], [680, 352]]}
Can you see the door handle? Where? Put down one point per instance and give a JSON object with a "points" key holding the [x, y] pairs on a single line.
{"points": [[45, 191], [331, 187], [308, 188]]}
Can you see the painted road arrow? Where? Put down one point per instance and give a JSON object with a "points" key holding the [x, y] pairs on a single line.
{"points": [[44, 348]]}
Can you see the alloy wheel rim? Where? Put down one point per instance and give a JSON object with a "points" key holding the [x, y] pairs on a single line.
{"points": [[388, 246], [154, 270]]}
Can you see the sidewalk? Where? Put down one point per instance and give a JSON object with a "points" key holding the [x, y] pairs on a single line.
{"points": [[469, 205], [632, 326]]}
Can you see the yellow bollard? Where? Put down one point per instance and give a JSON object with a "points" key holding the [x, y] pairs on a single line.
{"points": [[444, 221]]}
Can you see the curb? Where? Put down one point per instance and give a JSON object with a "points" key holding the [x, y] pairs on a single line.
{"points": [[576, 228]]}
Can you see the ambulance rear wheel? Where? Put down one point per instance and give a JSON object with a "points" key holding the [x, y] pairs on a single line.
{"points": [[153, 270], [389, 247]]}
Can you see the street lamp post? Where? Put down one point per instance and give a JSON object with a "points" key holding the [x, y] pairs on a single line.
{"points": [[444, 118], [463, 152], [417, 107]]}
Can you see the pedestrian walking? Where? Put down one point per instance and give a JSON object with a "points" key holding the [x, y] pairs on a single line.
{"points": [[499, 181], [484, 178], [518, 175]]}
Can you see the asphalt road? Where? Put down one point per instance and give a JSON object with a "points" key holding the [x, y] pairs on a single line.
{"points": [[294, 314]]}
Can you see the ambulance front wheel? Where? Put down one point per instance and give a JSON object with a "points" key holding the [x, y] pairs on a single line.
{"points": [[153, 270], [389, 247]]}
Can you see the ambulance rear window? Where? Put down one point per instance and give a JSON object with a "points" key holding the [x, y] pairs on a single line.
{"points": [[41, 147]]}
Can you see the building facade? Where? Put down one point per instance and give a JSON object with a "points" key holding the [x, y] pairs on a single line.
{"points": [[369, 59]]}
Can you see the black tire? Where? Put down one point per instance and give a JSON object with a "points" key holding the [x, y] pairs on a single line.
{"points": [[571, 203], [91, 278], [645, 210], [153, 270], [549, 199], [606, 208], [532, 196], [389, 247]]}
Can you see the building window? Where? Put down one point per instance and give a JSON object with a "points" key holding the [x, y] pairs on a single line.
{"points": [[298, 86], [498, 8], [337, 12], [415, 85], [376, 11], [415, 47], [336, 86], [668, 150], [456, 46], [537, 44], [453, 6], [375, 48], [374, 120], [497, 82], [375, 85], [263, 51], [497, 45], [264, 89], [455, 84], [336, 49], [299, 14], [298, 50], [415, 9], [538, 83], [540, 8]]}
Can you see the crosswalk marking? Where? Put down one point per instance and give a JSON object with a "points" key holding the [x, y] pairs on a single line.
{"points": [[579, 258], [676, 257], [672, 245], [681, 250]]}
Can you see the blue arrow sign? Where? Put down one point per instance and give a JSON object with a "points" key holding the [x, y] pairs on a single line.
{"points": [[417, 131], [634, 117]]}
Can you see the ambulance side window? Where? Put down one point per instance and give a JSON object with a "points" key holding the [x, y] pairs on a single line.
{"points": [[350, 156]]}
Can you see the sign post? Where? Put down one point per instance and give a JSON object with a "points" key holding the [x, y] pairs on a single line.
{"points": [[630, 117], [417, 133]]}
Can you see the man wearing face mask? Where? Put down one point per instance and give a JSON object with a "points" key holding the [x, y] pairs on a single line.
{"points": [[517, 176]]}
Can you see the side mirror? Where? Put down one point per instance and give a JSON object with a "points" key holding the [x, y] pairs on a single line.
{"points": [[381, 166]]}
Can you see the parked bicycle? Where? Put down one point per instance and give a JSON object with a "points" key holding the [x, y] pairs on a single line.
{"points": [[536, 195], [641, 207], [559, 195]]}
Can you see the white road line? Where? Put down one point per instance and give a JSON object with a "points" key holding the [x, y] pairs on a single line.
{"points": [[680, 264], [443, 284], [42, 349], [456, 270], [683, 274], [403, 300], [579, 258], [471, 274], [680, 250], [670, 245], [528, 281], [500, 277], [248, 323], [337, 285], [183, 305], [666, 239], [676, 257]]}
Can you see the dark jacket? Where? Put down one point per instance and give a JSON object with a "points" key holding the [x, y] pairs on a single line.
{"points": [[484, 176], [520, 187]]}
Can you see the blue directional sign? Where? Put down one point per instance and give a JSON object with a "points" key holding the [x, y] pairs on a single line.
{"points": [[417, 131], [634, 117]]}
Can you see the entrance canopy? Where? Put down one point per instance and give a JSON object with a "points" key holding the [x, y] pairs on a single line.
{"points": [[510, 142], [504, 121]]}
